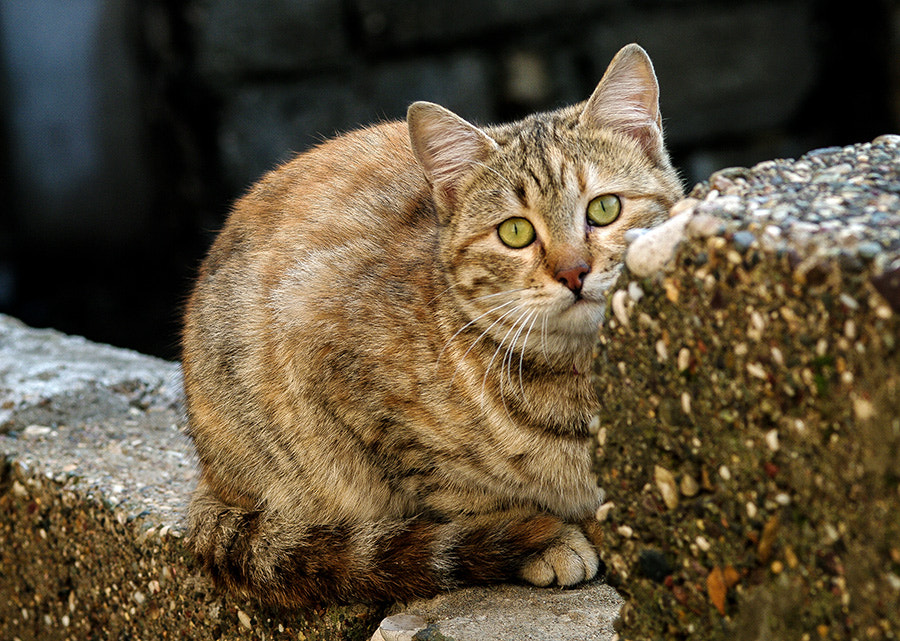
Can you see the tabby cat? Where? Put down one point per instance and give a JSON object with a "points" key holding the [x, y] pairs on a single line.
{"points": [[387, 351]]}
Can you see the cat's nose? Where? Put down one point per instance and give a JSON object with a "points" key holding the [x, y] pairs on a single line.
{"points": [[572, 276]]}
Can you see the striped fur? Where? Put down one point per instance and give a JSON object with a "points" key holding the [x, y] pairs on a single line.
{"points": [[387, 401]]}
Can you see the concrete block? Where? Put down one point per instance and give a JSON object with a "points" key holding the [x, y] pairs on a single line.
{"points": [[511, 612], [749, 437]]}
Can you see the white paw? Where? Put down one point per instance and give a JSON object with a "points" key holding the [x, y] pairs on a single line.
{"points": [[570, 560]]}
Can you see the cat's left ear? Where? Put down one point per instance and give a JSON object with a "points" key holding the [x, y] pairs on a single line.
{"points": [[446, 146], [627, 100]]}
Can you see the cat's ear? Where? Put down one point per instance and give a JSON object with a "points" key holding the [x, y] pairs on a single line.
{"points": [[627, 100], [445, 145]]}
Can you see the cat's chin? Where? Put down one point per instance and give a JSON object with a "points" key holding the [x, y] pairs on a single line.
{"points": [[582, 318]]}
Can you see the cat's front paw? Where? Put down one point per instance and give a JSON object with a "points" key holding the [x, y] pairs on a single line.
{"points": [[571, 559]]}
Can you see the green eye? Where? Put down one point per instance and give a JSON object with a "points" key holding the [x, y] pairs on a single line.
{"points": [[603, 210], [516, 232]]}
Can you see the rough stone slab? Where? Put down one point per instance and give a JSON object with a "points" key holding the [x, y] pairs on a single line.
{"points": [[749, 437], [95, 476], [514, 612], [46, 375]]}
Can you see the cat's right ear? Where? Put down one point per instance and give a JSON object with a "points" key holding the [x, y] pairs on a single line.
{"points": [[446, 146]]}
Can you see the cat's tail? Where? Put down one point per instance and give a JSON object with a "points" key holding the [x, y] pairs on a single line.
{"points": [[256, 553]]}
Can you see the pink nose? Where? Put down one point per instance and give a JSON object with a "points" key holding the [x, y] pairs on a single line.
{"points": [[572, 276]]}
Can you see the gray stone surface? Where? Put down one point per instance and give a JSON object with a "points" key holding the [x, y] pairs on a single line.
{"points": [[514, 612], [46, 377], [95, 476]]}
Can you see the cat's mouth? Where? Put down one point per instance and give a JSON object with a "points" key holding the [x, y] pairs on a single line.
{"points": [[582, 315]]}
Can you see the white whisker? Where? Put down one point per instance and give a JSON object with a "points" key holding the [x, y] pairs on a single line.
{"points": [[477, 318], [439, 294], [480, 336], [469, 324], [522, 352], [487, 370], [510, 353], [544, 335]]}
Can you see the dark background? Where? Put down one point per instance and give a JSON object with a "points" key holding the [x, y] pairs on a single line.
{"points": [[128, 126]]}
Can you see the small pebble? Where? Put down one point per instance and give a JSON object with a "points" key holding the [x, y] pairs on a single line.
{"points": [[743, 240], [603, 511], [36, 430], [887, 139], [620, 307], [757, 371], [401, 627], [703, 543], [686, 403], [635, 292], [689, 486], [662, 351], [665, 482]]}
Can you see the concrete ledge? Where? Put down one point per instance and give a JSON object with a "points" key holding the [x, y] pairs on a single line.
{"points": [[749, 437], [95, 476]]}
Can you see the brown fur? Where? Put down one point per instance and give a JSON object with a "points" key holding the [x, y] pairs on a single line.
{"points": [[385, 399]]}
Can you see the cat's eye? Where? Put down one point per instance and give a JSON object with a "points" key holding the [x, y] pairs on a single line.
{"points": [[516, 232], [603, 210]]}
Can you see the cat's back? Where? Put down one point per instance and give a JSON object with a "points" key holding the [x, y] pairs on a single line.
{"points": [[334, 191], [308, 232]]}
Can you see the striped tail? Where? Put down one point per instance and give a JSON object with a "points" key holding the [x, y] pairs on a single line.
{"points": [[294, 564]]}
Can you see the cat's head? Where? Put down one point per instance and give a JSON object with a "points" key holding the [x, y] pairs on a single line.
{"points": [[533, 214]]}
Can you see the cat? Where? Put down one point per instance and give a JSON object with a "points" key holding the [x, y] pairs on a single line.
{"points": [[386, 354]]}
